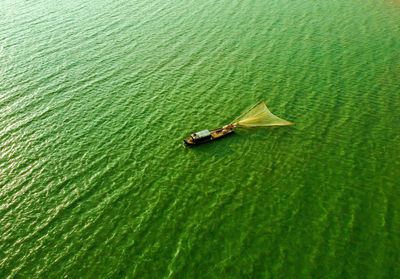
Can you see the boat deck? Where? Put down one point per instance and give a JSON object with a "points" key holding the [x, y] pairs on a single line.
{"points": [[220, 132]]}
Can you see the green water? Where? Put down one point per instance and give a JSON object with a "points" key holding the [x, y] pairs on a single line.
{"points": [[96, 97]]}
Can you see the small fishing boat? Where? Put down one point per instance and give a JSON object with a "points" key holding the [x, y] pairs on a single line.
{"points": [[209, 135], [256, 116]]}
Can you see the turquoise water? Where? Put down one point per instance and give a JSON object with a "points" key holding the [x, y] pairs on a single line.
{"points": [[96, 97]]}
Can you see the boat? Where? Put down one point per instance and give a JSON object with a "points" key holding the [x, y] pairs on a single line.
{"points": [[209, 135], [257, 115]]}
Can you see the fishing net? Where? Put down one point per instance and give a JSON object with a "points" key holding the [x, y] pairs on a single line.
{"points": [[259, 115]]}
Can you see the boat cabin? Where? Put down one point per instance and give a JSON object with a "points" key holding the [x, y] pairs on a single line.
{"points": [[201, 136]]}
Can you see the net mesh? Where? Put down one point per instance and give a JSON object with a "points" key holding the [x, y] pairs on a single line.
{"points": [[259, 115]]}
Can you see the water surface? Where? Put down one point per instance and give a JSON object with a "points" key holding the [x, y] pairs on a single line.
{"points": [[96, 96]]}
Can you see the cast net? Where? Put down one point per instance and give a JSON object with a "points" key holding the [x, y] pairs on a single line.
{"points": [[259, 115]]}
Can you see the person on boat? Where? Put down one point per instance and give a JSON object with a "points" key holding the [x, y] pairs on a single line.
{"points": [[227, 128]]}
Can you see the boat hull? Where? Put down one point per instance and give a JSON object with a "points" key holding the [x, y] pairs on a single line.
{"points": [[214, 135]]}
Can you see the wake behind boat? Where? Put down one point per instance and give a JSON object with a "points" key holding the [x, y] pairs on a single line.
{"points": [[256, 116]]}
